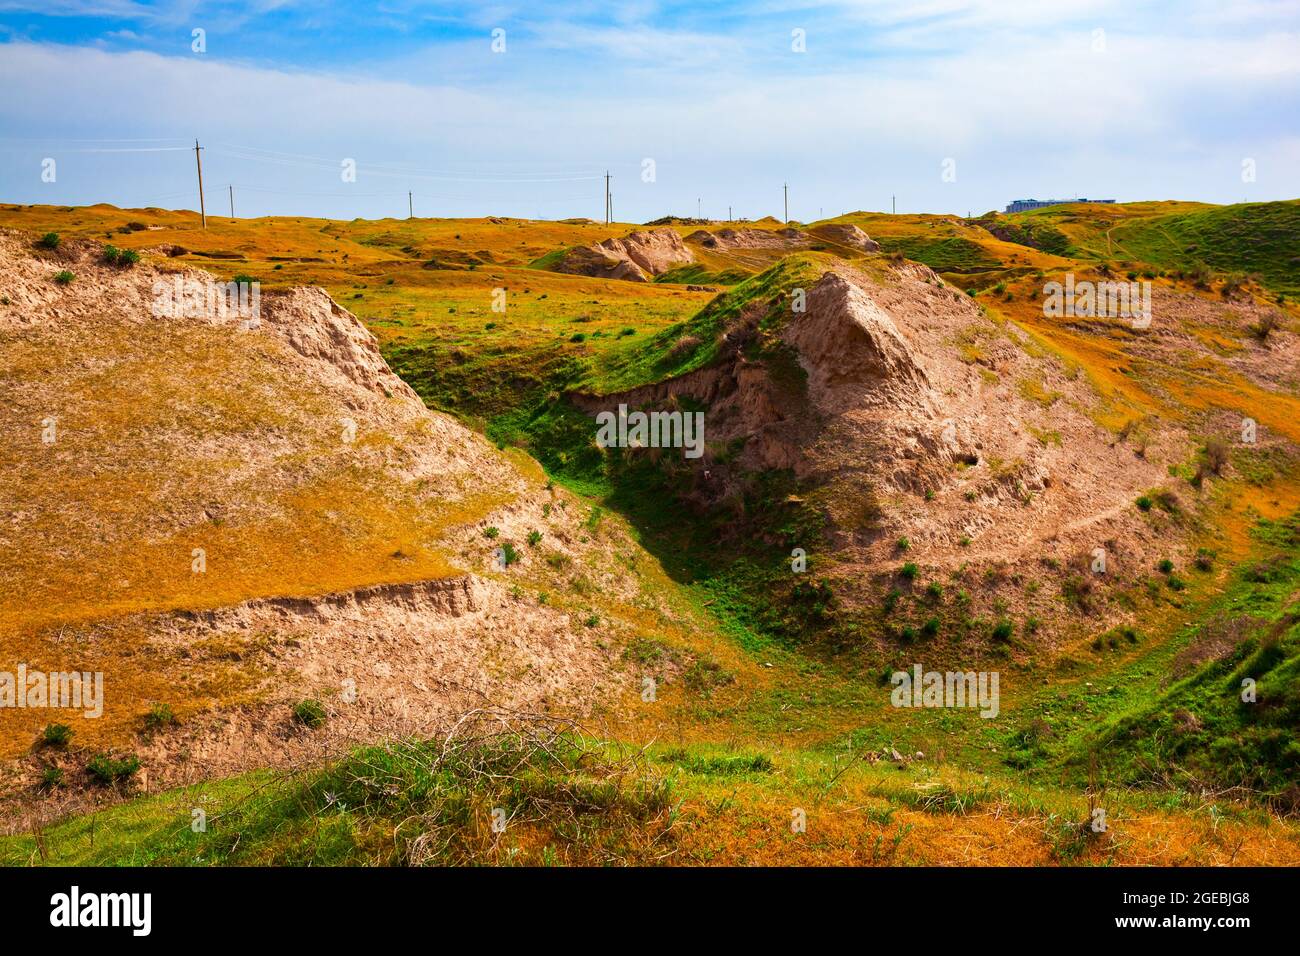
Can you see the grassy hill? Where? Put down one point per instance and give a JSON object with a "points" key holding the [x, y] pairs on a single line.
{"points": [[1257, 238]]}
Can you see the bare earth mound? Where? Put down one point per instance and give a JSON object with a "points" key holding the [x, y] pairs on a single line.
{"points": [[226, 517], [638, 256]]}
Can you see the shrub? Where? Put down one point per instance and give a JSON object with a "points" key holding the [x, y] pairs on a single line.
{"points": [[49, 241], [127, 258], [931, 627], [1264, 327], [1003, 630], [908, 570], [1144, 503], [683, 347], [903, 544], [625, 332], [1204, 559], [1216, 454], [491, 532], [310, 713], [891, 600], [508, 553], [578, 337], [111, 253], [108, 770], [56, 735], [534, 537], [159, 716], [64, 277], [1165, 566], [51, 777], [935, 590], [1175, 583]]}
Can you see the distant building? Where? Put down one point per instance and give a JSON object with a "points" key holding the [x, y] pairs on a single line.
{"points": [[1023, 205]]}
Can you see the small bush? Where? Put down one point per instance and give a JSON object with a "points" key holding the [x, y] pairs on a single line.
{"points": [[1216, 454], [1144, 503], [931, 627], [1003, 630], [903, 544], [108, 770], [49, 241], [127, 258], [310, 713], [534, 538], [65, 277], [159, 716], [683, 347], [491, 532], [51, 778], [56, 735], [508, 553], [578, 337], [908, 570], [111, 253]]}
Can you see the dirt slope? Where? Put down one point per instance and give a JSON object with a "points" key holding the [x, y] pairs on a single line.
{"points": [[638, 256], [916, 414], [227, 517]]}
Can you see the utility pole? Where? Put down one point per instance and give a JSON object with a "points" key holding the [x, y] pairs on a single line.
{"points": [[729, 219], [893, 204], [609, 205], [231, 187], [786, 189], [203, 213], [410, 206]]}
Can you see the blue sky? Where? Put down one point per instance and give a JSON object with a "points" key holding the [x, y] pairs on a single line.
{"points": [[951, 105]]}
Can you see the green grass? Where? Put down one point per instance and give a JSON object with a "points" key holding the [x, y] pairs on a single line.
{"points": [[1200, 730]]}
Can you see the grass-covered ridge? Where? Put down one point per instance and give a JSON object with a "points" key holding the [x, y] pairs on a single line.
{"points": [[1229, 719]]}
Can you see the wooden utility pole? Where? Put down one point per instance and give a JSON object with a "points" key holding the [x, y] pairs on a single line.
{"points": [[231, 187], [410, 205], [729, 219], [203, 213], [609, 205], [893, 204], [786, 189]]}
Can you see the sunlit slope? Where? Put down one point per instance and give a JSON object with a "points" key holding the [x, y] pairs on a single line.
{"points": [[1257, 238]]}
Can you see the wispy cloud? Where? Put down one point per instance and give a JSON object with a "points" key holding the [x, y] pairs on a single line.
{"points": [[1024, 97]]}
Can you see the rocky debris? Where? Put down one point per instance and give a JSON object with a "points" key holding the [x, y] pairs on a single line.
{"points": [[846, 234], [726, 239], [636, 257]]}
